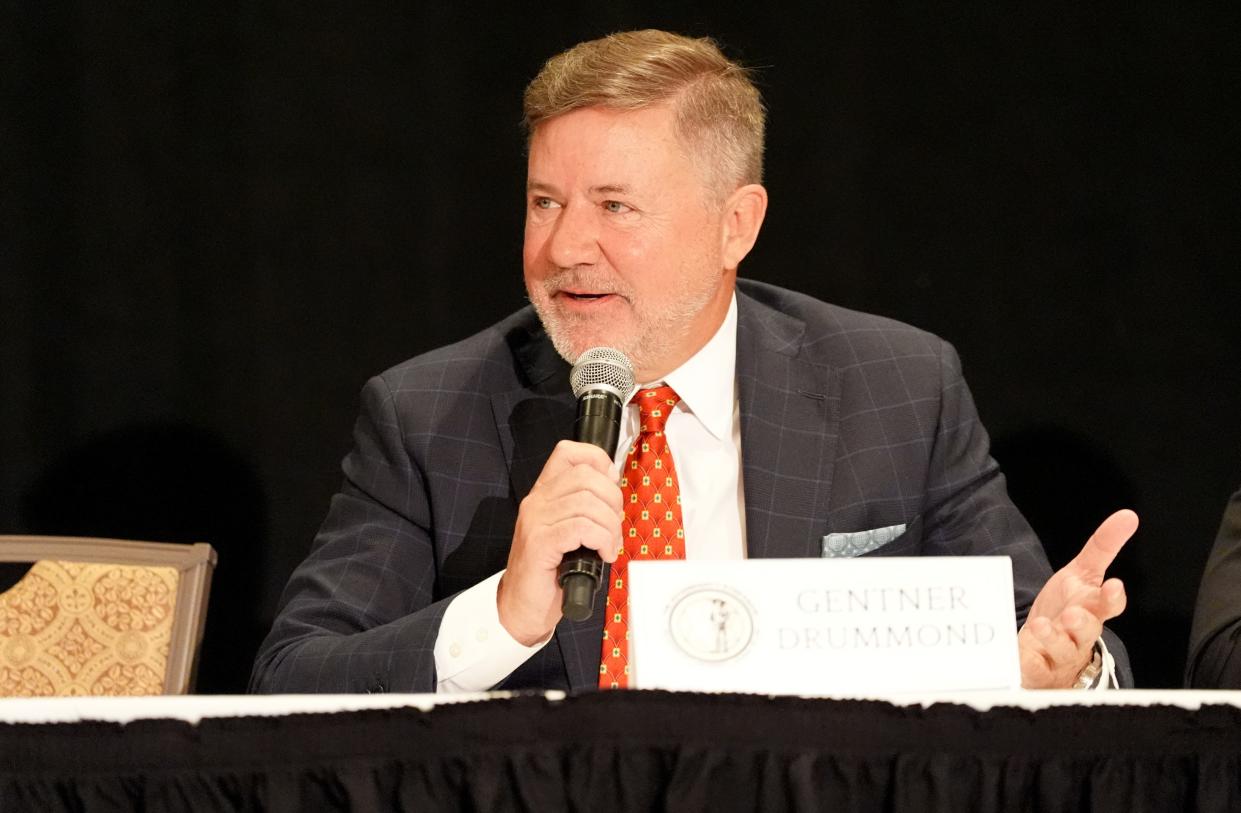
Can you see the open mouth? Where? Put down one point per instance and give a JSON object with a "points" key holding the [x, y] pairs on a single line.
{"points": [[580, 296]]}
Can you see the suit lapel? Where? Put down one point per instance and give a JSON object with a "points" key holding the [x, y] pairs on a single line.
{"points": [[789, 424], [531, 420]]}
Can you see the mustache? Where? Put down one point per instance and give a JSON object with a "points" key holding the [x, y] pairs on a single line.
{"points": [[584, 282]]}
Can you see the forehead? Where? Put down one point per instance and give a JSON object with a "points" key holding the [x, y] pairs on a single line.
{"points": [[597, 141]]}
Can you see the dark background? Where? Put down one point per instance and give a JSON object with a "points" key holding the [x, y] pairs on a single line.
{"points": [[218, 222]]}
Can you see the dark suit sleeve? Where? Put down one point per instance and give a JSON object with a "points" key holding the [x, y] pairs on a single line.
{"points": [[357, 614], [1215, 640], [968, 510]]}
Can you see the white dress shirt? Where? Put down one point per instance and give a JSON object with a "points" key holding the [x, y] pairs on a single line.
{"points": [[474, 652]]}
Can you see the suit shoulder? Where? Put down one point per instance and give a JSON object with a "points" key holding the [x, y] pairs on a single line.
{"points": [[483, 363], [840, 335]]}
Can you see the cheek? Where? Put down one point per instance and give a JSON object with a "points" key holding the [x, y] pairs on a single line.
{"points": [[635, 250], [646, 258], [623, 253], [704, 243], [532, 249], [638, 246], [689, 245]]}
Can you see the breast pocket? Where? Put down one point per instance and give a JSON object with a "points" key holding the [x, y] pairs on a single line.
{"points": [[858, 543]]}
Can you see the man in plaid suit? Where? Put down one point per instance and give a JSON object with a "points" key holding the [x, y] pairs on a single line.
{"points": [[849, 434]]}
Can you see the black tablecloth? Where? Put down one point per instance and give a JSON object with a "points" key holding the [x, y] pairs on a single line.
{"points": [[638, 751]]}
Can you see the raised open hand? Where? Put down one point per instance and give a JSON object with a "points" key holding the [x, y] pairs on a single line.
{"points": [[1068, 614]]}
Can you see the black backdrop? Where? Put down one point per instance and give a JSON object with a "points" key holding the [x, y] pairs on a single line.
{"points": [[219, 219]]}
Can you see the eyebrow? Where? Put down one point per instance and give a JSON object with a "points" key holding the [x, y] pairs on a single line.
{"points": [[602, 189], [612, 189]]}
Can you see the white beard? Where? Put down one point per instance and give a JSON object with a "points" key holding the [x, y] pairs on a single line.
{"points": [[659, 326]]}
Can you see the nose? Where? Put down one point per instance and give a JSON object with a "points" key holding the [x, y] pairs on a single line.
{"points": [[575, 237]]}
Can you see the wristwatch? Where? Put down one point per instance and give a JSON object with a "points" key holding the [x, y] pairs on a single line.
{"points": [[1088, 678]]}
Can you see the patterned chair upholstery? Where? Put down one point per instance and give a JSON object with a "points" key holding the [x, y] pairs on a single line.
{"points": [[102, 616]]}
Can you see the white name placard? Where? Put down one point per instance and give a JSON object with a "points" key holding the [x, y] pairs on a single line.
{"points": [[824, 626]]}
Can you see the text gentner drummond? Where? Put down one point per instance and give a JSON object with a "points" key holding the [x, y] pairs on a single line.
{"points": [[884, 618]]}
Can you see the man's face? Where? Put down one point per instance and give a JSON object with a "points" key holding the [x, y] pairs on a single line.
{"points": [[623, 240]]}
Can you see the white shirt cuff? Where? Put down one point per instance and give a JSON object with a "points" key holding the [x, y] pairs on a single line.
{"points": [[473, 651]]}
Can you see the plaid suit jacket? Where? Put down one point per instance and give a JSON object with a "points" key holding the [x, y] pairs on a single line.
{"points": [[849, 422]]}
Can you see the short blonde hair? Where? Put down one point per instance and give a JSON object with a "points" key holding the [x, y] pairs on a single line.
{"points": [[719, 112]]}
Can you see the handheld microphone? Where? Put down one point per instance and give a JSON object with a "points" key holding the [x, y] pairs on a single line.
{"points": [[602, 382]]}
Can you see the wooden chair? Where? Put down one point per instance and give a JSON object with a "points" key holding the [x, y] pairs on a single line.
{"points": [[102, 616]]}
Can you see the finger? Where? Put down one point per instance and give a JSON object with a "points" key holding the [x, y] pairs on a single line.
{"points": [[1037, 626], [1058, 646], [1104, 602], [1034, 661], [1031, 638], [583, 479], [1034, 671], [586, 506], [572, 533], [1116, 597], [1049, 655], [569, 453], [1082, 628], [1103, 545]]}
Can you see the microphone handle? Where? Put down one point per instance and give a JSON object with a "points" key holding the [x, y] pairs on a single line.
{"points": [[581, 571]]}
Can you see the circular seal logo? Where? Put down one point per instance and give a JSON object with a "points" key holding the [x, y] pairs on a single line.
{"points": [[711, 623]]}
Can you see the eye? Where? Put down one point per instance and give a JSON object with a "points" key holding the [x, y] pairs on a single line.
{"points": [[615, 207], [543, 203]]}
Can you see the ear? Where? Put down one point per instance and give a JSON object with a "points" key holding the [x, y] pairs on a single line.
{"points": [[743, 217]]}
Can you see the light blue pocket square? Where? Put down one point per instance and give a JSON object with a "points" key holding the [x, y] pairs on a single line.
{"points": [[848, 545]]}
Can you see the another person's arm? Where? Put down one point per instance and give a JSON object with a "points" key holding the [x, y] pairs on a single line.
{"points": [[1215, 640]]}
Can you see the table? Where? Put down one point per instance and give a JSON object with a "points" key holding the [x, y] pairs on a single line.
{"points": [[635, 750]]}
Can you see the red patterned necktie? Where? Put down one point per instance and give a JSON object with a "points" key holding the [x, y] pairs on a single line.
{"points": [[652, 527]]}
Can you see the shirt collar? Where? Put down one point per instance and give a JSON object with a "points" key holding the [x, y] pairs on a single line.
{"points": [[705, 382]]}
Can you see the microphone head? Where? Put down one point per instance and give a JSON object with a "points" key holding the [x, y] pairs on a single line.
{"points": [[602, 368]]}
